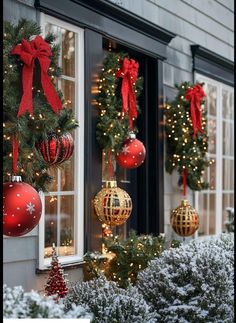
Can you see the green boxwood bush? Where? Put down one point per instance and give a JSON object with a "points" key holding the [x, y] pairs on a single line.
{"points": [[109, 303], [18, 304], [193, 283]]}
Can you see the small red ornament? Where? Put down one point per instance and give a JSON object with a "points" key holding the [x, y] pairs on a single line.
{"points": [[57, 148], [22, 207], [132, 153]]}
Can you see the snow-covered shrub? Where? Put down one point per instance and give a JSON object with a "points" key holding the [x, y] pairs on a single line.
{"points": [[18, 304], [109, 303], [192, 283]]}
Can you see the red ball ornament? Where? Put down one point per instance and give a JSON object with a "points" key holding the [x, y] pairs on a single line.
{"points": [[22, 208], [56, 148], [132, 153]]}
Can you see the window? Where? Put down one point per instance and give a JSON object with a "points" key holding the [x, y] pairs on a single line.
{"points": [[212, 203], [62, 220]]}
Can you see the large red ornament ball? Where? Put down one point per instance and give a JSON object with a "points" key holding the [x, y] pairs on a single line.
{"points": [[132, 154], [56, 148], [22, 208]]}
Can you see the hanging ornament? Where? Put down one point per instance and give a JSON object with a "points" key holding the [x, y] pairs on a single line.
{"points": [[106, 231], [184, 219], [22, 207], [56, 148], [113, 205], [132, 153]]}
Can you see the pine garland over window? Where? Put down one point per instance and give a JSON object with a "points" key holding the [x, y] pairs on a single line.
{"points": [[29, 129], [182, 150], [113, 126]]}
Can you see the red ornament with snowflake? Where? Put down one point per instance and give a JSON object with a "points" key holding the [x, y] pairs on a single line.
{"points": [[22, 207], [132, 153]]}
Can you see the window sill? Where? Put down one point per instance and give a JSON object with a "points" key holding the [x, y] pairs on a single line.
{"points": [[69, 266]]}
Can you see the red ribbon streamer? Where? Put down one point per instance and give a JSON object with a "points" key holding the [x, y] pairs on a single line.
{"points": [[184, 181], [15, 146], [129, 74], [28, 52], [194, 96]]}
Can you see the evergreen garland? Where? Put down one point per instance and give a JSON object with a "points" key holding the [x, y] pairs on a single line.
{"points": [[113, 127], [27, 128], [182, 150], [128, 257]]}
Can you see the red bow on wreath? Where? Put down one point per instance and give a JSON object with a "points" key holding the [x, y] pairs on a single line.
{"points": [[28, 52], [129, 73], [194, 96]]}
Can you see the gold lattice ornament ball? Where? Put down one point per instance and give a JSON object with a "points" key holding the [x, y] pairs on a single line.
{"points": [[184, 219], [113, 205]]}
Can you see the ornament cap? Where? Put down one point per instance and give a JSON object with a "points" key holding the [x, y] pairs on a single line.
{"points": [[184, 203], [132, 135], [14, 178], [110, 184]]}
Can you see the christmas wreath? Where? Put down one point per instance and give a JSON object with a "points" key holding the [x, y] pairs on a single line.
{"points": [[186, 136], [119, 86], [32, 110]]}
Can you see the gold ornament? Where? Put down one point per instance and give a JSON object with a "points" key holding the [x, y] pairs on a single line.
{"points": [[112, 204], [184, 219]]}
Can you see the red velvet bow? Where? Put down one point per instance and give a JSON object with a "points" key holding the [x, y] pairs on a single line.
{"points": [[129, 73], [194, 96], [28, 52]]}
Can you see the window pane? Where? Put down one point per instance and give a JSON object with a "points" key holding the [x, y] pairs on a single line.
{"points": [[53, 186], [227, 109], [227, 201], [67, 243], [67, 176], [68, 90], [228, 138], [68, 53], [49, 28], [228, 174], [231, 104], [212, 136], [212, 214], [211, 99], [202, 211], [212, 182], [50, 224]]}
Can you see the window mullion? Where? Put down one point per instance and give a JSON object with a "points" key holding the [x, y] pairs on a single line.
{"points": [[219, 161], [59, 210]]}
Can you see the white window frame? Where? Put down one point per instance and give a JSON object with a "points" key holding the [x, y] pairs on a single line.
{"points": [[219, 154], [78, 151]]}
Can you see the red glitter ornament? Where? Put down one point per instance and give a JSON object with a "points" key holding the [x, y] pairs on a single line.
{"points": [[56, 148], [22, 207], [132, 153]]}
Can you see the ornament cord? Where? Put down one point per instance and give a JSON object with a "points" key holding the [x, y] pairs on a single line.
{"points": [[184, 181], [110, 164], [15, 150]]}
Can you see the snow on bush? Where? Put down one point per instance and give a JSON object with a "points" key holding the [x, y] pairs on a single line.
{"points": [[18, 304], [192, 283], [109, 303]]}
